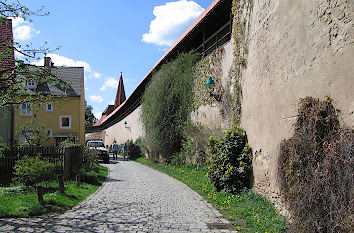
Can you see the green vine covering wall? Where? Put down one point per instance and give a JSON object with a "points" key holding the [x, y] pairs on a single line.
{"points": [[209, 66], [166, 106], [241, 11]]}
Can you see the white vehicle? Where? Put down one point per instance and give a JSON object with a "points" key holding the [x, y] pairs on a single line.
{"points": [[97, 145]]}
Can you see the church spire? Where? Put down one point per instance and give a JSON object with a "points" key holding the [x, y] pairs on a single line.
{"points": [[120, 97]]}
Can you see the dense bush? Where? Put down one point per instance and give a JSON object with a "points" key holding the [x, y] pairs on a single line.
{"points": [[33, 170], [140, 141], [230, 163], [195, 144], [316, 170], [134, 151], [166, 106], [89, 159]]}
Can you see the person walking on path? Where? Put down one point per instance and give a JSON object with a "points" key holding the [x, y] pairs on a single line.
{"points": [[115, 150], [125, 151]]}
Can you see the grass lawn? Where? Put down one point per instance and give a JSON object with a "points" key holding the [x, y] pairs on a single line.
{"points": [[19, 201], [248, 211]]}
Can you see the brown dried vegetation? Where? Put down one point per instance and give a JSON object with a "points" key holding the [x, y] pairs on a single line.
{"points": [[316, 170]]}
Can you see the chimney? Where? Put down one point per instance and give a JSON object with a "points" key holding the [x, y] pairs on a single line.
{"points": [[6, 44], [48, 62]]}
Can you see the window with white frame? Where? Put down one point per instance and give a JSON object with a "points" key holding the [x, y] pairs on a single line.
{"points": [[49, 132], [49, 107], [65, 122], [26, 109], [31, 84]]}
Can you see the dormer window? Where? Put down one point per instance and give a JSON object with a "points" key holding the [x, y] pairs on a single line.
{"points": [[31, 84]]}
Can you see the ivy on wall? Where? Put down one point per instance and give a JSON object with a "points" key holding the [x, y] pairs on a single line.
{"points": [[166, 106], [241, 11], [209, 66]]}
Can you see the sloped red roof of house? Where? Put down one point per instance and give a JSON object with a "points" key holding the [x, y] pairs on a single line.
{"points": [[169, 51]]}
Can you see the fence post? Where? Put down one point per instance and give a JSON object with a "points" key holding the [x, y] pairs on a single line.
{"points": [[61, 184], [40, 194], [72, 161]]}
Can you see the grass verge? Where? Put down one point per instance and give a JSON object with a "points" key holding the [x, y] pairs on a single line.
{"points": [[248, 211], [20, 201]]}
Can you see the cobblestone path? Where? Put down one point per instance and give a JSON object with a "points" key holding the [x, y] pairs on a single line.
{"points": [[134, 198]]}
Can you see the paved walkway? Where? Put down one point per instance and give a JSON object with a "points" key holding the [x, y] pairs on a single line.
{"points": [[134, 198]]}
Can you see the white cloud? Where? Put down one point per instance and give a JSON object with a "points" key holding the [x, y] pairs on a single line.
{"points": [[18, 54], [64, 61], [96, 98], [98, 115], [110, 82], [97, 75], [172, 19], [17, 21], [22, 32]]}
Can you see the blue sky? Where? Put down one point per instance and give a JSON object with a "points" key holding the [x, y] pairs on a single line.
{"points": [[108, 37]]}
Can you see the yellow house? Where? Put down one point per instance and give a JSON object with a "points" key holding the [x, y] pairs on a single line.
{"points": [[64, 114]]}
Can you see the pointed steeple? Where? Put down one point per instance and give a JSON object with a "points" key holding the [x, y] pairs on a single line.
{"points": [[120, 97]]}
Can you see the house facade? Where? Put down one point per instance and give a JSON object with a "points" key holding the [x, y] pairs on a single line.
{"points": [[63, 114]]}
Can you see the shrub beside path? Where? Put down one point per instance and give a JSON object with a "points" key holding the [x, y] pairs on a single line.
{"points": [[134, 198]]}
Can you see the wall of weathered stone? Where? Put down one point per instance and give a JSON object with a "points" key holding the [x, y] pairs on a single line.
{"points": [[210, 114], [297, 49], [122, 133]]}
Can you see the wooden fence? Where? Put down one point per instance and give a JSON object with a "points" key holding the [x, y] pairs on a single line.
{"points": [[53, 154]]}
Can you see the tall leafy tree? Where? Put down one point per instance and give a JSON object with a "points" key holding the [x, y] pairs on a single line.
{"points": [[15, 72], [90, 119]]}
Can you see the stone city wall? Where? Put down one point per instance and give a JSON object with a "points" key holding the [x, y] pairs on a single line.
{"points": [[297, 49], [122, 133]]}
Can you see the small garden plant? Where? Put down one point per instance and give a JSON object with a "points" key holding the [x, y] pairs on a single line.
{"points": [[31, 171]]}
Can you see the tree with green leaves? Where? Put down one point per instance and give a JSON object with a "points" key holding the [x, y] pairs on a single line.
{"points": [[90, 119], [16, 72], [31, 133]]}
